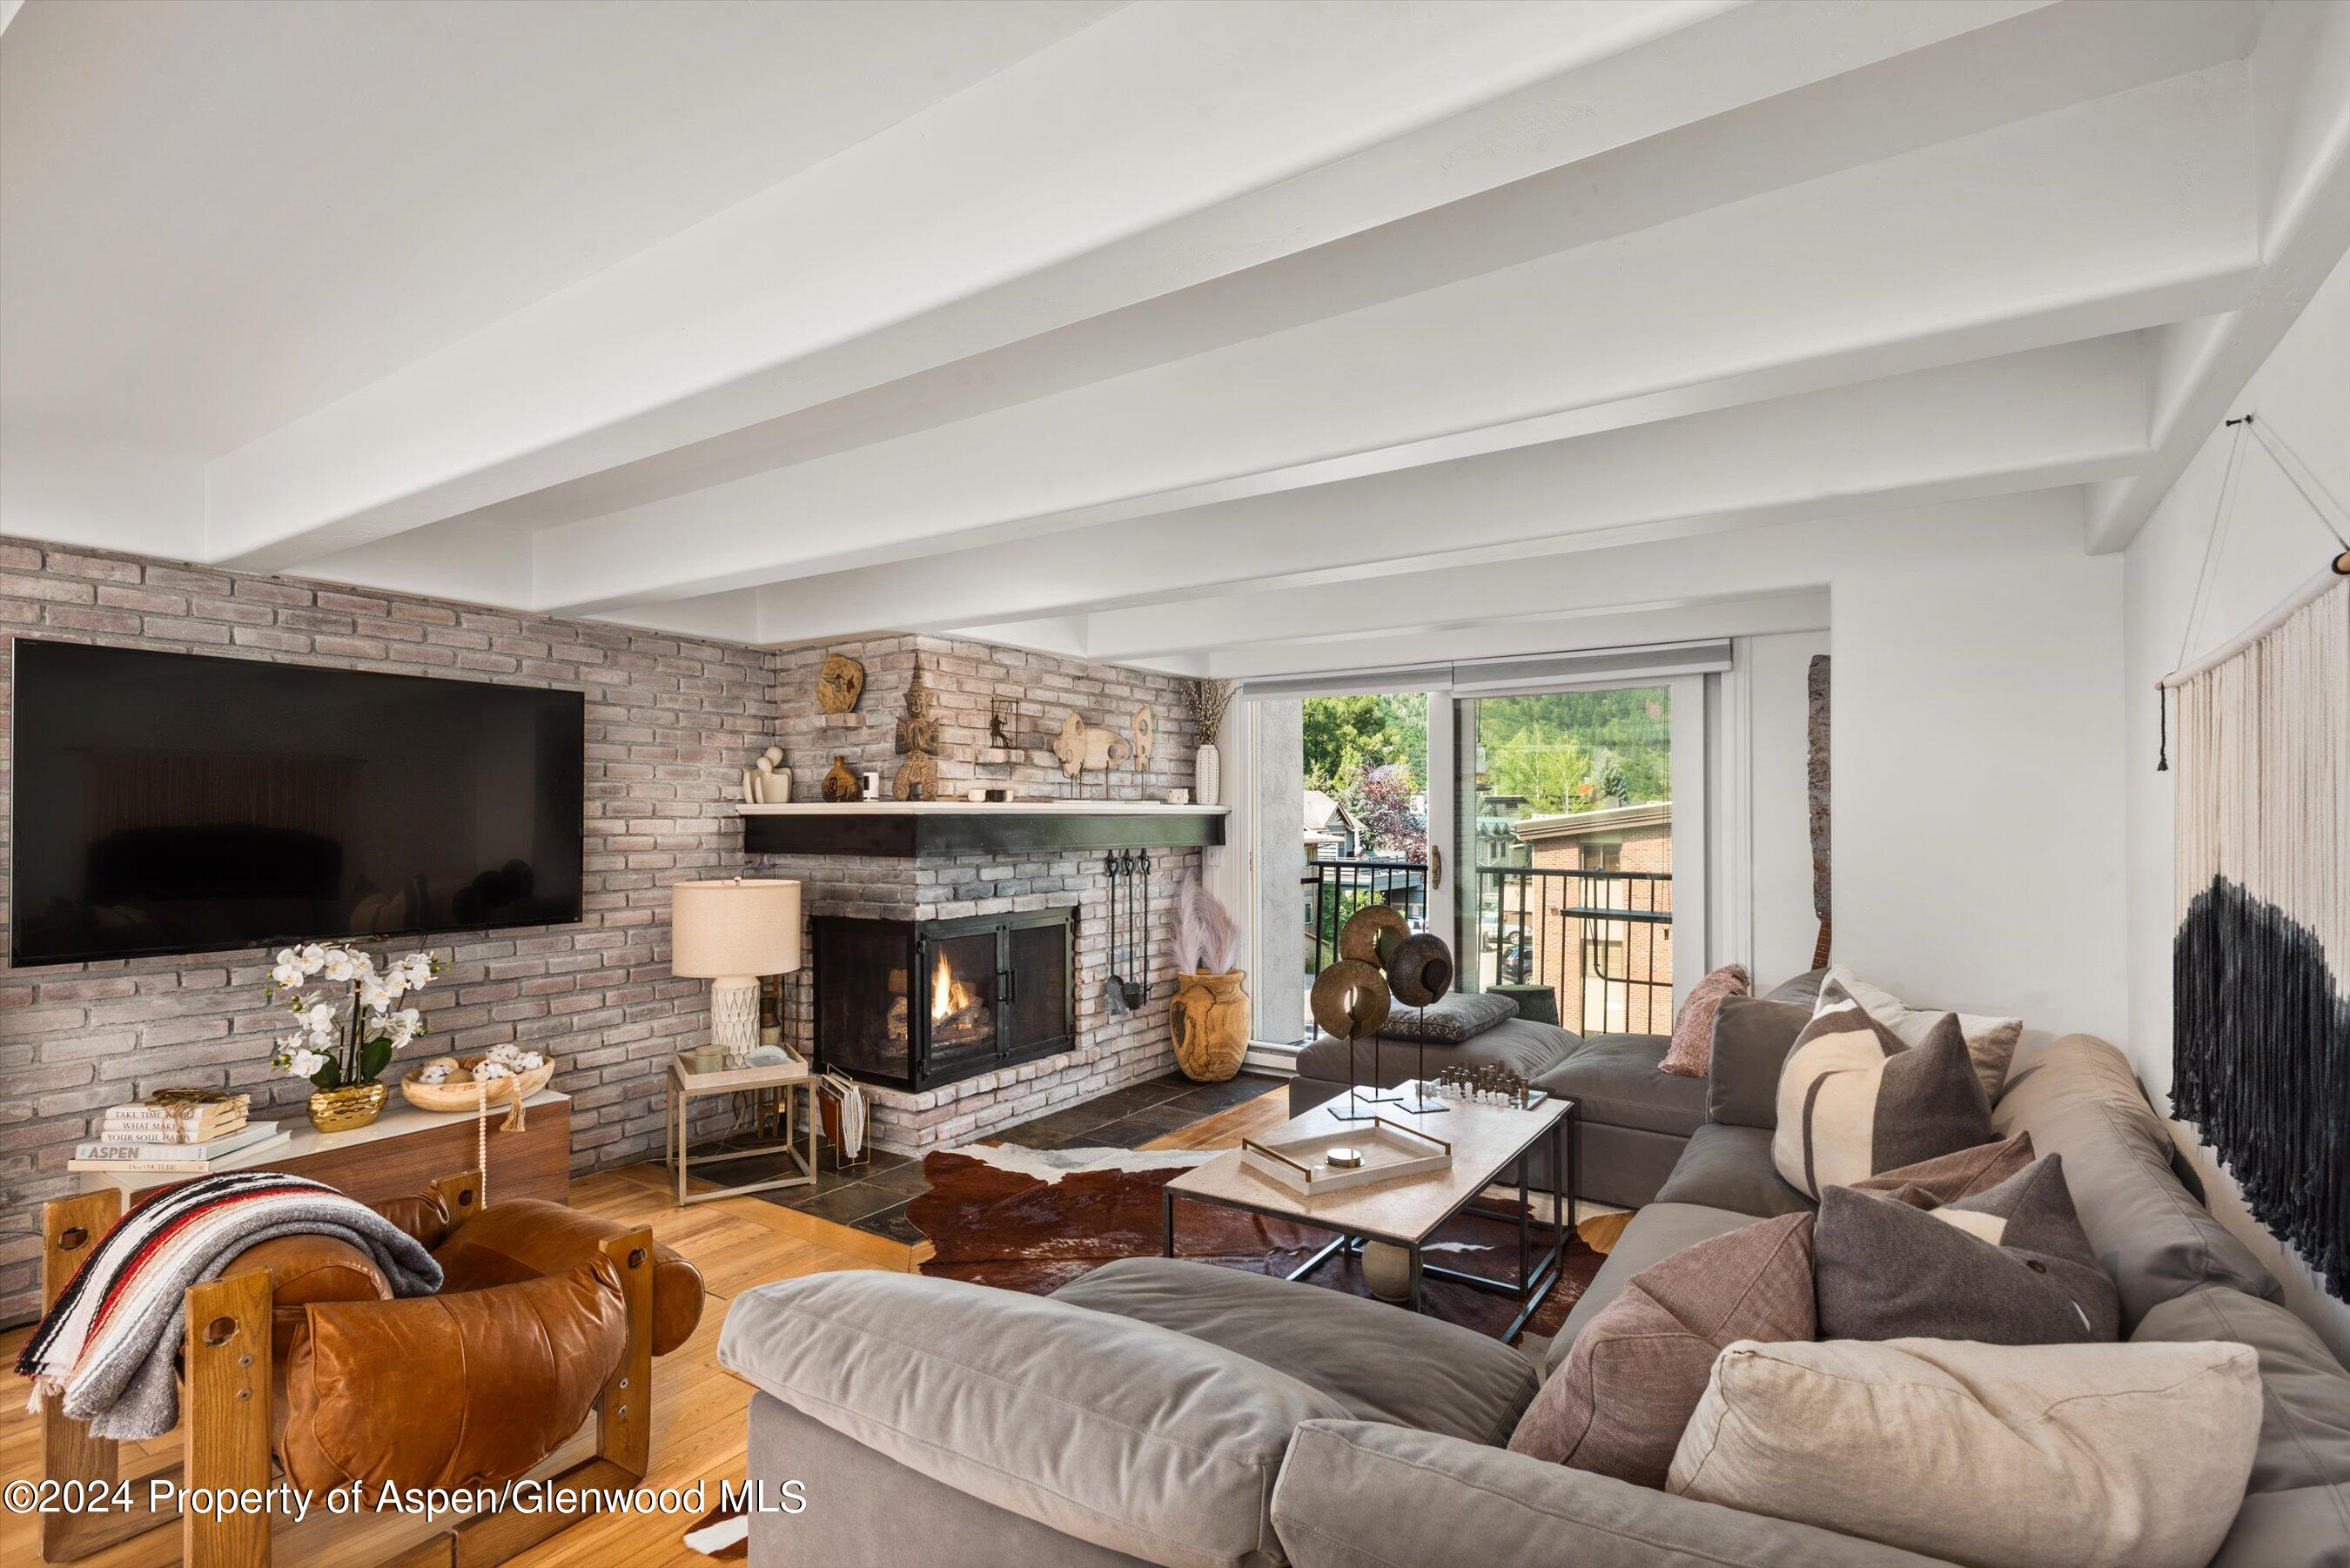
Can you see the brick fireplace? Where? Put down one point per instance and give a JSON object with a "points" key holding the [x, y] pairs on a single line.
{"points": [[915, 1004]]}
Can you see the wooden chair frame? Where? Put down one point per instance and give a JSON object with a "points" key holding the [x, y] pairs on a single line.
{"points": [[226, 1414]]}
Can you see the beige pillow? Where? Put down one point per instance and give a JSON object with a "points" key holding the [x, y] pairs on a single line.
{"points": [[2096, 1456], [1690, 1054], [1856, 1100], [1990, 1042], [1620, 1401]]}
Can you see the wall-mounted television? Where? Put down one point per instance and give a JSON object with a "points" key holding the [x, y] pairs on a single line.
{"points": [[173, 802]]}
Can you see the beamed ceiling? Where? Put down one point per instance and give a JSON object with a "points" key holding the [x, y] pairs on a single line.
{"points": [[1208, 336]]}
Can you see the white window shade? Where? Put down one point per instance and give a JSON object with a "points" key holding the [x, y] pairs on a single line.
{"points": [[1488, 677]]}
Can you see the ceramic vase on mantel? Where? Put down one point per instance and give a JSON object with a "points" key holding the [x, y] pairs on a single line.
{"points": [[1207, 776], [1210, 1019]]}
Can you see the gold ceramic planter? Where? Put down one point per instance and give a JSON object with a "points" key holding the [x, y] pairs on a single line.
{"points": [[352, 1107]]}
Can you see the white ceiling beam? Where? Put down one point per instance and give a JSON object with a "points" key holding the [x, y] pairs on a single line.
{"points": [[2054, 416], [2301, 84], [2104, 217], [1780, 558], [2043, 59], [1149, 122]]}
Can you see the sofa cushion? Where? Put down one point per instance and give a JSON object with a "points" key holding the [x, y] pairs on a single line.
{"points": [[1525, 1047], [1856, 1099], [2001, 1456], [2305, 1392], [1656, 1233], [1803, 988], [2008, 1266], [1692, 1046], [1751, 1037], [1450, 1019], [1990, 1042], [1359, 1495], [2077, 1098], [1947, 1178], [2308, 1527], [1380, 1364], [1122, 1433], [1729, 1168], [1636, 1371], [1614, 1079]]}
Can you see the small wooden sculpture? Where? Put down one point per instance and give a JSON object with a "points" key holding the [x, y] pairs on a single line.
{"points": [[1146, 737], [839, 683], [917, 742], [1084, 749]]}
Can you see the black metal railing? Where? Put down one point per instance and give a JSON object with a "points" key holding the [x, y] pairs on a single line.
{"points": [[1602, 940], [1334, 889]]}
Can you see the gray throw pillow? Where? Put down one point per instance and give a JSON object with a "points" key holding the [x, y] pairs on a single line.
{"points": [[1463, 1015], [2008, 1266], [1751, 1037]]}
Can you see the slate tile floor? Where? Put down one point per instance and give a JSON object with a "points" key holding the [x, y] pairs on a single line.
{"points": [[872, 1197]]}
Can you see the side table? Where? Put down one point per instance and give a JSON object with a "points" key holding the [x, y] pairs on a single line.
{"points": [[785, 1080]]}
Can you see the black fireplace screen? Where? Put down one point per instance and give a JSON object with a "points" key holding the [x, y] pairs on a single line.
{"points": [[914, 1004]]}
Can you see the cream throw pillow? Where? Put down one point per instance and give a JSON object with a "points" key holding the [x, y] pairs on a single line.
{"points": [[1990, 1042], [2096, 1456]]}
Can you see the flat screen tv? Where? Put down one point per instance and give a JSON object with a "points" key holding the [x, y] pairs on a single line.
{"points": [[169, 803]]}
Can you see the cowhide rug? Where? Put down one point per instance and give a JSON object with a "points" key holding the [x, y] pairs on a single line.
{"points": [[1033, 1219]]}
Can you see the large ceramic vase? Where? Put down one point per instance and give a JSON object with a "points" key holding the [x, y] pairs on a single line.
{"points": [[1207, 776], [346, 1110], [1209, 1016]]}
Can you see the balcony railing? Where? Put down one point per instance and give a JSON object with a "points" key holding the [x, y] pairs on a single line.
{"points": [[1334, 889], [1602, 940]]}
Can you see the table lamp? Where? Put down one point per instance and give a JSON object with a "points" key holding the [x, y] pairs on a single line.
{"points": [[730, 933]]}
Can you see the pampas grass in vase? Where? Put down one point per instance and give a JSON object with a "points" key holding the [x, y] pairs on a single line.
{"points": [[1210, 1014]]}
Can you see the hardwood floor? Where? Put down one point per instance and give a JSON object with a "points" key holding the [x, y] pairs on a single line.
{"points": [[698, 1409]]}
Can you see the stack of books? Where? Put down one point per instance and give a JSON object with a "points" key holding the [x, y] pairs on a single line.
{"points": [[175, 1137]]}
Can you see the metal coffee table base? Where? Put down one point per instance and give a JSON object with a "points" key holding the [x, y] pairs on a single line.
{"points": [[1535, 1275]]}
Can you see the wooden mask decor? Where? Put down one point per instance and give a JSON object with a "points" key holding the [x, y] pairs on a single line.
{"points": [[839, 683]]}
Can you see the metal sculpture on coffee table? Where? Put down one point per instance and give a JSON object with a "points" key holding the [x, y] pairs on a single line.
{"points": [[1372, 936], [1419, 974], [1350, 1001]]}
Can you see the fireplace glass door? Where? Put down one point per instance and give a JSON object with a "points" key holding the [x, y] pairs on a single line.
{"points": [[916, 1004], [962, 1004]]}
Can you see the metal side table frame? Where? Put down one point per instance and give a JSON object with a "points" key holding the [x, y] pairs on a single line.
{"points": [[686, 1085]]}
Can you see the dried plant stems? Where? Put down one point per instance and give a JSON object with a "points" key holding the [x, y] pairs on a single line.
{"points": [[1209, 701]]}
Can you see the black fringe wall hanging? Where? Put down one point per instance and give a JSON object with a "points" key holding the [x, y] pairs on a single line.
{"points": [[2261, 1042]]}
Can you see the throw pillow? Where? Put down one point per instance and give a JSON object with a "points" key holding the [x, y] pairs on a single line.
{"points": [[1990, 1042], [1463, 1015], [2099, 1456], [2008, 1266], [1690, 1054], [1620, 1401], [1856, 1099], [1947, 1177], [1751, 1037]]}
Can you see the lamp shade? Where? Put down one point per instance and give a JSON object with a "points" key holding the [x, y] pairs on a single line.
{"points": [[750, 926]]}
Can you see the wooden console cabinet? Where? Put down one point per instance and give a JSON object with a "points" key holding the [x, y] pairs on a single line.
{"points": [[404, 1151]]}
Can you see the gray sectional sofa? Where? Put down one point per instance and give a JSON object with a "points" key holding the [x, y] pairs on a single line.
{"points": [[1171, 1412], [1633, 1121]]}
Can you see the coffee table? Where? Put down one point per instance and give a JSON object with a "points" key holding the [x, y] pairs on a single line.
{"points": [[1488, 1141]]}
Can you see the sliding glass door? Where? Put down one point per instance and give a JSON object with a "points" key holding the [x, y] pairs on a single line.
{"points": [[1580, 825]]}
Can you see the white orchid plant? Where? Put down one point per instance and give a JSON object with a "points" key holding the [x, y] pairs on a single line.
{"points": [[338, 1043]]}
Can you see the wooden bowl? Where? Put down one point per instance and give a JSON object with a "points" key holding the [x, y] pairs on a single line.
{"points": [[465, 1094]]}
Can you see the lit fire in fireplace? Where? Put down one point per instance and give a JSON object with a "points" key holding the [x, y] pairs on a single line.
{"points": [[949, 995]]}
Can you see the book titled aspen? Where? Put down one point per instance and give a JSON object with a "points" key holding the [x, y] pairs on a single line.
{"points": [[124, 1146], [176, 1167]]}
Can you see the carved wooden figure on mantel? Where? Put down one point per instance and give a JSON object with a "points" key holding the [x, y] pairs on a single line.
{"points": [[917, 742]]}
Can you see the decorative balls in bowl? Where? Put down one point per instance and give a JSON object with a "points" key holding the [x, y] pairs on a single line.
{"points": [[460, 1083]]}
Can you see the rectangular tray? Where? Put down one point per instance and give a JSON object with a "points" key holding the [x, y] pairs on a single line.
{"points": [[1390, 1151]]}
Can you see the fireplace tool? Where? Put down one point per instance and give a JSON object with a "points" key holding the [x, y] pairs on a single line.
{"points": [[1129, 926]]}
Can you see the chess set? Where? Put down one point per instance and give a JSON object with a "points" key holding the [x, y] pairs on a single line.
{"points": [[1493, 1086]]}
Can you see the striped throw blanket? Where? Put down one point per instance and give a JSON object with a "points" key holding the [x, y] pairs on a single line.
{"points": [[109, 1343]]}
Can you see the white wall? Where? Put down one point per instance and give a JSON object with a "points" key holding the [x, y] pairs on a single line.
{"points": [[1977, 749], [2273, 545]]}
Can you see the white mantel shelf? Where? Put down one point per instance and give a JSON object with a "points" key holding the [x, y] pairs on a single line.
{"points": [[918, 829]]}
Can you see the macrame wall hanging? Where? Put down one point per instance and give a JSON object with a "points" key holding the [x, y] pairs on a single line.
{"points": [[2260, 1027]]}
